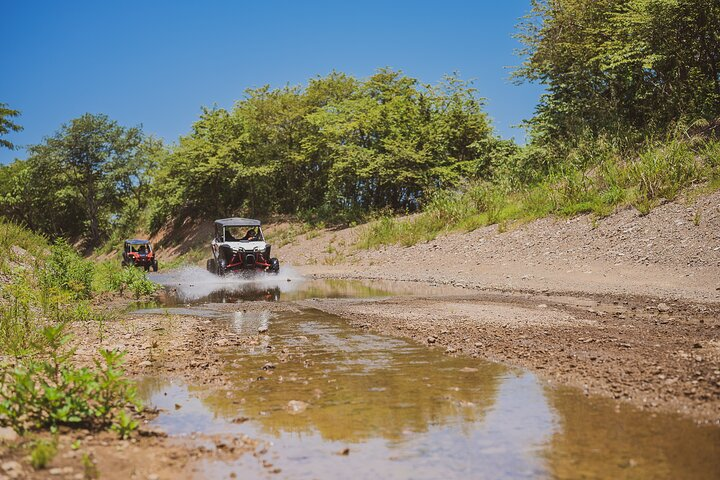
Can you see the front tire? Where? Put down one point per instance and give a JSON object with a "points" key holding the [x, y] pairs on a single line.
{"points": [[211, 266], [155, 266], [221, 268], [274, 265]]}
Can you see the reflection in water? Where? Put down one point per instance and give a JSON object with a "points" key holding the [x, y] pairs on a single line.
{"points": [[249, 323], [358, 385], [406, 411], [596, 440], [192, 285]]}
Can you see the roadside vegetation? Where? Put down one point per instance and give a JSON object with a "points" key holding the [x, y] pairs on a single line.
{"points": [[631, 116], [45, 290], [658, 174]]}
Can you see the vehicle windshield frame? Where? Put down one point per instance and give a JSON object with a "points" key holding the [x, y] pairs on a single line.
{"points": [[242, 230], [131, 247]]}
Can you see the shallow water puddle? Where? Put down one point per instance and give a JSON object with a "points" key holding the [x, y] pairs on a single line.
{"points": [[194, 286], [333, 401]]}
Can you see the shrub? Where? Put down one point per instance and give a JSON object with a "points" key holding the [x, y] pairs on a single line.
{"points": [[111, 277], [489, 199], [66, 270], [47, 391]]}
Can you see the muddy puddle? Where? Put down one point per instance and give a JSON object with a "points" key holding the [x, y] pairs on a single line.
{"points": [[327, 401]]}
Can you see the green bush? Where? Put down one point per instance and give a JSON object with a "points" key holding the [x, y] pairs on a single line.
{"points": [[112, 277], [47, 390], [66, 270]]}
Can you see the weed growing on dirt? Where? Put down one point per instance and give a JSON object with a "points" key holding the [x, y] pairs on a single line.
{"points": [[40, 387], [661, 172], [66, 270], [90, 469], [42, 453], [22, 247], [281, 236], [47, 391], [124, 425]]}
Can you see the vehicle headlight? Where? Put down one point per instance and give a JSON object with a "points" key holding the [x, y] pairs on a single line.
{"points": [[256, 249], [241, 249]]}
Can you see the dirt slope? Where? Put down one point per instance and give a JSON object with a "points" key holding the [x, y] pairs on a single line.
{"points": [[672, 253]]}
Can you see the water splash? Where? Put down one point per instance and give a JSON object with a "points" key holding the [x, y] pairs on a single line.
{"points": [[191, 283]]}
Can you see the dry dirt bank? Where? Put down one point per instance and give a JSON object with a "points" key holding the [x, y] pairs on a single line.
{"points": [[673, 253]]}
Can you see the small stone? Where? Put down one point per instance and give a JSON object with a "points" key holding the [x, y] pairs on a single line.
{"points": [[7, 434], [345, 451], [431, 339], [262, 329], [296, 406], [269, 366], [450, 350], [12, 468], [153, 476], [697, 345], [663, 307], [145, 363]]}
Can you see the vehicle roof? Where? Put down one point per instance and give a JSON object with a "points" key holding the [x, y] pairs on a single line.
{"points": [[237, 222], [136, 241]]}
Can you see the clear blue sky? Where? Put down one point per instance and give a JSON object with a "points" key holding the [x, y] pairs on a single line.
{"points": [[156, 63]]}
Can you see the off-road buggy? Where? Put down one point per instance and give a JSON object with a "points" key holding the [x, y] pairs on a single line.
{"points": [[139, 253], [239, 244]]}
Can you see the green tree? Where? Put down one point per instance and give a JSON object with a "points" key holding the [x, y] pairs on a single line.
{"points": [[7, 125], [90, 169], [622, 67], [335, 148]]}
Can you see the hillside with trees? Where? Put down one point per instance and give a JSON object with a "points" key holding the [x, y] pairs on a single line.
{"points": [[630, 117]]}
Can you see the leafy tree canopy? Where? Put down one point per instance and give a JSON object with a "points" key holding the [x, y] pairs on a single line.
{"points": [[7, 125]]}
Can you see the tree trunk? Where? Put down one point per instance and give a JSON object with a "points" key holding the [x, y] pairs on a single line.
{"points": [[92, 211]]}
